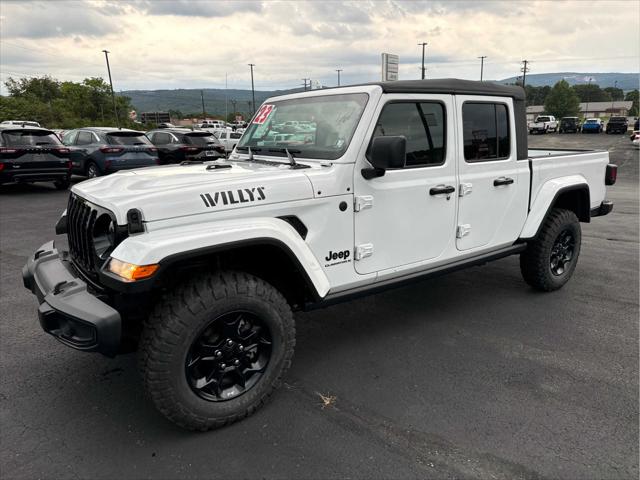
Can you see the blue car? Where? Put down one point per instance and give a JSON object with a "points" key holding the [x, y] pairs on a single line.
{"points": [[592, 125], [99, 151]]}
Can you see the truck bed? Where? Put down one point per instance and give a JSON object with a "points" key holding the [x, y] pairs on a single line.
{"points": [[552, 169]]}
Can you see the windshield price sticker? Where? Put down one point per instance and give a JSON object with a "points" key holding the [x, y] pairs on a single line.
{"points": [[263, 114]]}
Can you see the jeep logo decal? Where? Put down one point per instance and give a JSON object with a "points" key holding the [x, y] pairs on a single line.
{"points": [[230, 197], [336, 258]]}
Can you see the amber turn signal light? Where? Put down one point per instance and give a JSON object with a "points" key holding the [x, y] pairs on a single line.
{"points": [[131, 272]]}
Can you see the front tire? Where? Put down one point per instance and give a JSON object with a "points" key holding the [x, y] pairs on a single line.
{"points": [[215, 349], [551, 258]]}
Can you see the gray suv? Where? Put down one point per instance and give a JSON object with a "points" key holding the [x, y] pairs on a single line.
{"points": [[98, 151]]}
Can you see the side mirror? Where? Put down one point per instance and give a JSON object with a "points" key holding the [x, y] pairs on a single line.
{"points": [[386, 152]]}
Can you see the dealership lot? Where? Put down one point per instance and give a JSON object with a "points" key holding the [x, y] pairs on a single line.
{"points": [[469, 375]]}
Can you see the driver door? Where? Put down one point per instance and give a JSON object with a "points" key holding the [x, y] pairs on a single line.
{"points": [[402, 218]]}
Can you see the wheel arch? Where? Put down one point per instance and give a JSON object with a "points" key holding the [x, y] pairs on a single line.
{"points": [[574, 197], [267, 258], [269, 248]]}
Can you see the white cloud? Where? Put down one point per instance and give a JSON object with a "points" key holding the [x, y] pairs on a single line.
{"points": [[178, 44]]}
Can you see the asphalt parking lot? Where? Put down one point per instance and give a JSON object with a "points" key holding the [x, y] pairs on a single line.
{"points": [[469, 375]]}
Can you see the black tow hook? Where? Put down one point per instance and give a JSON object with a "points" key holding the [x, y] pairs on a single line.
{"points": [[58, 288]]}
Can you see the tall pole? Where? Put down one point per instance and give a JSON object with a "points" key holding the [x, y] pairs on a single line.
{"points": [[113, 95], [204, 114], [524, 71], [338, 70], [424, 44], [253, 93], [305, 83], [586, 110], [615, 85], [482, 65], [226, 99]]}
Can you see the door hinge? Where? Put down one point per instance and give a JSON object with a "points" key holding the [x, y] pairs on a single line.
{"points": [[363, 251], [463, 230], [465, 189], [362, 202]]}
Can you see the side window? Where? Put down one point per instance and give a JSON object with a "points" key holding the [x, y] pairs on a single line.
{"points": [[69, 138], [422, 124], [84, 138], [485, 132], [161, 138]]}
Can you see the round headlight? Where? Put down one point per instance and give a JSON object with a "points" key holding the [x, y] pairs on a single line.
{"points": [[104, 236]]}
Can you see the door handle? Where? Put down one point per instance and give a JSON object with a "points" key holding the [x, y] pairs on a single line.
{"points": [[442, 190], [502, 181]]}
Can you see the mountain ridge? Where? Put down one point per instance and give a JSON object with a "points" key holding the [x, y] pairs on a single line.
{"points": [[189, 100]]}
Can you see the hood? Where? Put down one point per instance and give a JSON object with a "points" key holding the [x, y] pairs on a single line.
{"points": [[178, 190]]}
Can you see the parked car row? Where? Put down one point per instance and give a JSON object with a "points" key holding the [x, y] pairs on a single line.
{"points": [[30, 153], [548, 123]]}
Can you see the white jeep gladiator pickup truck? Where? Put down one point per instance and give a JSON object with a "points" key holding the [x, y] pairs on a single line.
{"points": [[200, 265], [544, 124]]}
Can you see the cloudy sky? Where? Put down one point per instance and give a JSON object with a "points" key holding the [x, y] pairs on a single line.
{"points": [[194, 44]]}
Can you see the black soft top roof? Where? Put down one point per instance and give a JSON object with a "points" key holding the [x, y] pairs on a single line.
{"points": [[453, 86]]}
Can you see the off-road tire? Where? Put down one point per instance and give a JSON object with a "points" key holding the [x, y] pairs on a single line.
{"points": [[535, 260], [177, 320]]}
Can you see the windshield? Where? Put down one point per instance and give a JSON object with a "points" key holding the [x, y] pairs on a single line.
{"points": [[618, 119], [313, 127], [542, 119], [128, 138], [592, 121], [27, 138]]}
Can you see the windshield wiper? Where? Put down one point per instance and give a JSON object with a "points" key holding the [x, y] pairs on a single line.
{"points": [[292, 160]]}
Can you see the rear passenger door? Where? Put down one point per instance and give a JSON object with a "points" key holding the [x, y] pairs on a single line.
{"points": [[493, 184]]}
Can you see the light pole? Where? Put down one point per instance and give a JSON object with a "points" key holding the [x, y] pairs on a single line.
{"points": [[424, 44], [113, 95], [338, 70], [482, 65], [253, 93], [615, 85], [524, 71], [586, 110]]}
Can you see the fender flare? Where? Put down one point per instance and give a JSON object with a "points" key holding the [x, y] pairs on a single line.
{"points": [[545, 200], [171, 245]]}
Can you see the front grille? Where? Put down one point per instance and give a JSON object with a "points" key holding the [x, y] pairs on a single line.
{"points": [[81, 217]]}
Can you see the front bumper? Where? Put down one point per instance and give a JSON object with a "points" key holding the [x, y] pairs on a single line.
{"points": [[67, 310], [604, 209]]}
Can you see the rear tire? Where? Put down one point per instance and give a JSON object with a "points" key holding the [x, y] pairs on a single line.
{"points": [[550, 259], [92, 170], [193, 357]]}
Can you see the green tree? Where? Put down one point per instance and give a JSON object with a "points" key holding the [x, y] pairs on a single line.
{"points": [[591, 93], [614, 93], [633, 96], [562, 101], [64, 104], [536, 95]]}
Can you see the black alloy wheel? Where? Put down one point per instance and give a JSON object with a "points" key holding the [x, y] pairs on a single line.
{"points": [[229, 357], [562, 252]]}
